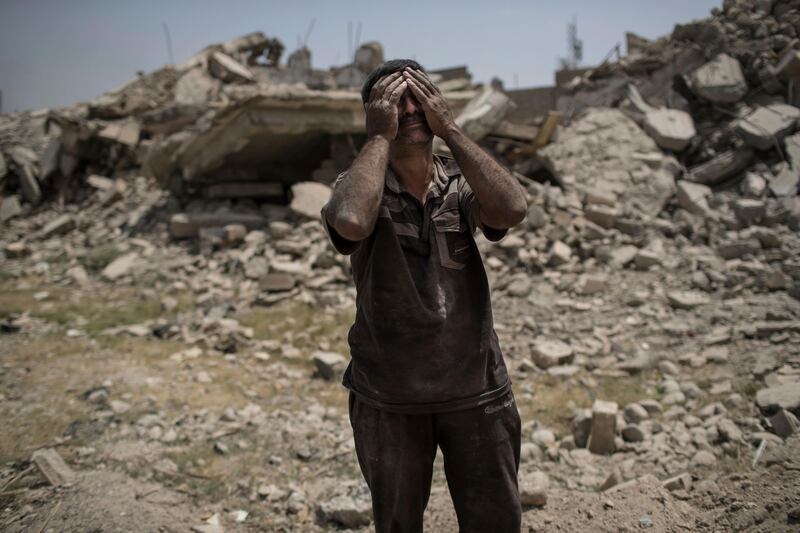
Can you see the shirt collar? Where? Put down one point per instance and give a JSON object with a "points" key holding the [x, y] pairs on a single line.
{"points": [[437, 185]]}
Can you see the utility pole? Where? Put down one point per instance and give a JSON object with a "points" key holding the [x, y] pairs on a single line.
{"points": [[169, 43]]}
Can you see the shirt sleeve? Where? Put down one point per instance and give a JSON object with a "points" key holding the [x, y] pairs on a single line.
{"points": [[472, 211], [342, 245]]}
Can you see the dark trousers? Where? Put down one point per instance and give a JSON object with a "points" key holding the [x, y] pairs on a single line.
{"points": [[481, 460]]}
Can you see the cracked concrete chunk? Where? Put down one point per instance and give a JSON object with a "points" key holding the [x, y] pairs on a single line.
{"points": [[764, 128], [720, 80], [671, 129]]}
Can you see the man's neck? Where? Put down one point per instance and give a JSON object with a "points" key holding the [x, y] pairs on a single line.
{"points": [[412, 165]]}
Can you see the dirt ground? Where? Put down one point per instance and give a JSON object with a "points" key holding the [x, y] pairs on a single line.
{"points": [[164, 437]]}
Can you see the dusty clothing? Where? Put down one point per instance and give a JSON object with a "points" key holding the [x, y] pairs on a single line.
{"points": [[423, 340], [481, 449]]}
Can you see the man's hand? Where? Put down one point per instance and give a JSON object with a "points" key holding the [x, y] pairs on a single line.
{"points": [[437, 112], [382, 106]]}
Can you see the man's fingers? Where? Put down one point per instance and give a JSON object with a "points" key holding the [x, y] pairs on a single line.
{"points": [[390, 89], [421, 96], [398, 91], [379, 88], [424, 80]]}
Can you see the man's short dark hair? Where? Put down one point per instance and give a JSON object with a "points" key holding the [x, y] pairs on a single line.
{"points": [[385, 69]]}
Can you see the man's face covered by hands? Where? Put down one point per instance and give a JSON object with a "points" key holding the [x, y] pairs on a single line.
{"points": [[395, 103], [412, 127]]}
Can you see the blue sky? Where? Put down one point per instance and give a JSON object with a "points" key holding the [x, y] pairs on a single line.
{"points": [[56, 52]]}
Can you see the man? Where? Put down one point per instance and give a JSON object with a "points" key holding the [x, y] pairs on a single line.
{"points": [[426, 367]]}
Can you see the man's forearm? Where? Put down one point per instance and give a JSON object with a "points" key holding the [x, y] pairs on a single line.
{"points": [[501, 197], [354, 204]]}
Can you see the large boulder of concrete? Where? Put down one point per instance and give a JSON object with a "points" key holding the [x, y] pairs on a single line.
{"points": [[671, 129], [720, 80]]}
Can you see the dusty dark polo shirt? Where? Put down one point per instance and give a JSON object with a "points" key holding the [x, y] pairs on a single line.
{"points": [[423, 338]]}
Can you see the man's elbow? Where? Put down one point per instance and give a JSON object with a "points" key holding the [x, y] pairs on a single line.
{"points": [[350, 227], [517, 211]]}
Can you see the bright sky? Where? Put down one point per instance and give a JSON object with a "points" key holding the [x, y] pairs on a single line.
{"points": [[56, 52]]}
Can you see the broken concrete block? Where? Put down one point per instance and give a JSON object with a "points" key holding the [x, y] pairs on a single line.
{"points": [[749, 211], [766, 126], [125, 132], [784, 423], [646, 259], [786, 396], [622, 255], [551, 352], [352, 513], [100, 182], [533, 489], [632, 433], [58, 226], [679, 482], [10, 207], [184, 225], [29, 185], [602, 215], [560, 254], [591, 284], [52, 466], [276, 282], [785, 182], [598, 196], [48, 161], [308, 197], [604, 427], [195, 87], [581, 427], [686, 299], [330, 365], [227, 69], [671, 129], [120, 266], [738, 248], [233, 234], [721, 167], [693, 197], [720, 80], [753, 185]]}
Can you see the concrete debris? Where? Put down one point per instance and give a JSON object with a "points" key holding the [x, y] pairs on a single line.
{"points": [[120, 266], [765, 127], [721, 167], [308, 198], [52, 467], [352, 513], [693, 197], [784, 423], [720, 80], [533, 488], [330, 365], [786, 396], [551, 352], [10, 207], [671, 129], [603, 429]]}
